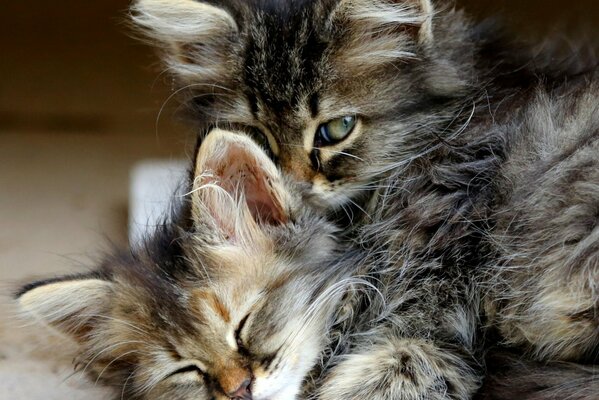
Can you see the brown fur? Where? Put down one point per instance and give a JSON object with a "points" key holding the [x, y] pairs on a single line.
{"points": [[466, 188], [468, 180], [204, 310]]}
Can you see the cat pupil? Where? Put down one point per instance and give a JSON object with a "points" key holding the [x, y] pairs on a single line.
{"points": [[324, 135]]}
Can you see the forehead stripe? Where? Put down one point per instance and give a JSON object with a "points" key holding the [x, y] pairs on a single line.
{"points": [[219, 307], [314, 103]]}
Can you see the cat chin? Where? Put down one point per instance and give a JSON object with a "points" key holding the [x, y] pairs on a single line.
{"points": [[284, 386], [288, 393]]}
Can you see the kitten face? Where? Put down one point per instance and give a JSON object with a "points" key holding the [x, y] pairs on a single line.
{"points": [[246, 336], [230, 301], [291, 73]]}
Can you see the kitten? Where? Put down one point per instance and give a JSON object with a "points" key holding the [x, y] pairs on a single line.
{"points": [[230, 300], [465, 166], [234, 297]]}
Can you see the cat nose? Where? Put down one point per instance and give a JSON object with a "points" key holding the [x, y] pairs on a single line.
{"points": [[235, 382], [242, 392]]}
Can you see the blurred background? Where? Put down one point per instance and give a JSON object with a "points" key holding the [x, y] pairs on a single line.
{"points": [[80, 104]]}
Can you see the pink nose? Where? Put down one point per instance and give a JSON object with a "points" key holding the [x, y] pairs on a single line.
{"points": [[242, 392]]}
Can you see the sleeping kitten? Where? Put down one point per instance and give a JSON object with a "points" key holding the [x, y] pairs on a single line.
{"points": [[465, 166], [230, 300], [234, 297]]}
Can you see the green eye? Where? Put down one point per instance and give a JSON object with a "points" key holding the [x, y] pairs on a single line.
{"points": [[335, 131]]}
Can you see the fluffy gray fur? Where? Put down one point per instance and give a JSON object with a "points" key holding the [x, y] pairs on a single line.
{"points": [[469, 186], [471, 182], [227, 300]]}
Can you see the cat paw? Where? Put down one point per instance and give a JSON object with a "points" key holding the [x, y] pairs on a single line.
{"points": [[403, 369]]}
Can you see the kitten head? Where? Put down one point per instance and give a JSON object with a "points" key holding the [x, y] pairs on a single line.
{"points": [[230, 300], [335, 89]]}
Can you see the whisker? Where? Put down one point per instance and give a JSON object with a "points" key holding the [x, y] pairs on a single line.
{"points": [[110, 363], [176, 92], [312, 312], [113, 346], [125, 384]]}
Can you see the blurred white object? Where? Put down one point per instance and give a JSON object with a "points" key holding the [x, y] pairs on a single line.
{"points": [[154, 184]]}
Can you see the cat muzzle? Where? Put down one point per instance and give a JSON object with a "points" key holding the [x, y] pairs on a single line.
{"points": [[243, 392]]}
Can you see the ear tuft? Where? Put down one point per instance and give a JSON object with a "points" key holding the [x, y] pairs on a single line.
{"points": [[382, 31], [193, 35], [390, 14], [68, 305], [427, 10]]}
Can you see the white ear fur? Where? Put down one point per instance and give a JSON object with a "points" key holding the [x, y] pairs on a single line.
{"points": [[382, 31], [237, 188], [179, 25], [67, 305], [181, 20], [426, 29], [377, 15]]}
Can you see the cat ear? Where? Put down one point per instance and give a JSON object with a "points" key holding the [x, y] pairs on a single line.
{"points": [[237, 188], [380, 31], [426, 11], [377, 15], [196, 37], [67, 304]]}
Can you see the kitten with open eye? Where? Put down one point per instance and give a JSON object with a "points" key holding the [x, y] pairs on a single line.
{"points": [[466, 166], [230, 300]]}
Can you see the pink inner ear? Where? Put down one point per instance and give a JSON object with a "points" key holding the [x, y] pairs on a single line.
{"points": [[240, 172]]}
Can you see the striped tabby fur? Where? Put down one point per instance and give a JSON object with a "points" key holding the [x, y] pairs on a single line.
{"points": [[468, 189]]}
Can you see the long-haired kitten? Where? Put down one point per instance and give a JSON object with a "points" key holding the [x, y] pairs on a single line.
{"points": [[231, 299], [465, 165]]}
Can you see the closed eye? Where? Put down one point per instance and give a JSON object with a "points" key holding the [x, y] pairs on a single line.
{"points": [[185, 370], [238, 332]]}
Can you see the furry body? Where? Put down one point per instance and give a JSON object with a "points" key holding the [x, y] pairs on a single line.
{"points": [[510, 377], [500, 220], [469, 188], [204, 309], [471, 181]]}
